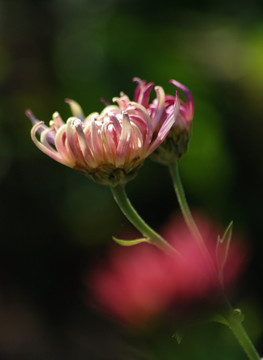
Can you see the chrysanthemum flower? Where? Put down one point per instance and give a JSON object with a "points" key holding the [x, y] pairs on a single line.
{"points": [[108, 147], [176, 143]]}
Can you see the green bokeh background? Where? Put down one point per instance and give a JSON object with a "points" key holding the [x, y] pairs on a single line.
{"points": [[55, 224]]}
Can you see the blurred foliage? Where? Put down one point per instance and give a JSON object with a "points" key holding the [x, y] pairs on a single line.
{"points": [[54, 223]]}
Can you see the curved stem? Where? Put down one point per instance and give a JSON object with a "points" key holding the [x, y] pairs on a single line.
{"points": [[131, 214], [234, 322], [179, 190]]}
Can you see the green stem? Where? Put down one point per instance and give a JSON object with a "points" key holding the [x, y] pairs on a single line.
{"points": [[234, 322], [243, 339], [131, 214], [179, 190]]}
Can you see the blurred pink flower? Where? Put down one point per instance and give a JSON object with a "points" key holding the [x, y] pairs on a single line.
{"points": [[139, 283], [135, 285], [108, 147], [200, 275]]}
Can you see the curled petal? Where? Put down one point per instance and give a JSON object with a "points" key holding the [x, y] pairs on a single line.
{"points": [[116, 125], [55, 124], [141, 109], [123, 146], [60, 140], [160, 106], [145, 94], [45, 136], [84, 147], [108, 135], [122, 102], [140, 83], [140, 124], [108, 109], [136, 143], [167, 125], [34, 120], [142, 92], [47, 150], [165, 128], [189, 113], [96, 144], [57, 121], [40, 128], [72, 142], [62, 146]]}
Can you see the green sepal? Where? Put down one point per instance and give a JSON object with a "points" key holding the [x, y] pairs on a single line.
{"points": [[130, 242], [173, 147], [222, 247]]}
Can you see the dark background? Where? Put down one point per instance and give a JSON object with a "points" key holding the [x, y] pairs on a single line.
{"points": [[55, 224]]}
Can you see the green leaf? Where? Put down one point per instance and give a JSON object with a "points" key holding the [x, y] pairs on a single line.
{"points": [[218, 318], [178, 336], [130, 242]]}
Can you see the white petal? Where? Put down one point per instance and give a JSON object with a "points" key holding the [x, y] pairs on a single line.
{"points": [[124, 142]]}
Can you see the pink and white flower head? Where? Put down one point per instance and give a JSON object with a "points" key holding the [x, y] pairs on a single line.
{"points": [[176, 143], [111, 146]]}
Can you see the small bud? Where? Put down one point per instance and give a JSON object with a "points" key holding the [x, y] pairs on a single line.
{"points": [[237, 316], [176, 143]]}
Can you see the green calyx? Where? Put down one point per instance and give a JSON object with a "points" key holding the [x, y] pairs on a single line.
{"points": [[110, 175], [173, 147]]}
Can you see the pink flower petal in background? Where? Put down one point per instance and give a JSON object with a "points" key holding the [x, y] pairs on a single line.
{"points": [[138, 283]]}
